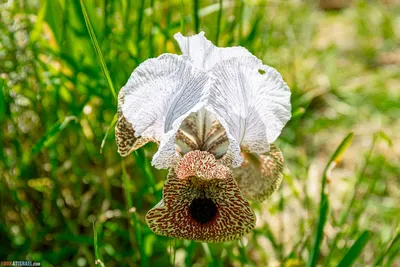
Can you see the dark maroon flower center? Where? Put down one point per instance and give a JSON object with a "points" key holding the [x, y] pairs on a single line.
{"points": [[203, 210]]}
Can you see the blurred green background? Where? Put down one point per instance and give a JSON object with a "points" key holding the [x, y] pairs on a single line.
{"points": [[59, 191]]}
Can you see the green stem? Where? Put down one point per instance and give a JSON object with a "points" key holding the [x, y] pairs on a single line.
{"points": [[219, 22], [196, 15]]}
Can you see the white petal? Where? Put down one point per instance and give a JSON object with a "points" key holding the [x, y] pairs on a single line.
{"points": [[159, 95], [125, 134], [251, 101], [204, 53]]}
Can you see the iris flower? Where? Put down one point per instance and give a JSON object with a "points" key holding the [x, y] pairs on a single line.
{"points": [[215, 113]]}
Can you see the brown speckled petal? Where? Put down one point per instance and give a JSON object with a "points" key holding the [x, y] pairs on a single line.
{"points": [[202, 165], [124, 133], [205, 209], [260, 175]]}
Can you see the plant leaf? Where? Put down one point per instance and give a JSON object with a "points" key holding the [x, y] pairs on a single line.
{"points": [[96, 47], [324, 203], [51, 135], [112, 123], [355, 250]]}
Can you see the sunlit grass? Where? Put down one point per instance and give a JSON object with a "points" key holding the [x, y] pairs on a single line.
{"points": [[65, 202]]}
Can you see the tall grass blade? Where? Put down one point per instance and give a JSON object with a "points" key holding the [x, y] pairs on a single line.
{"points": [[243, 252], [323, 212], [151, 36], [47, 139], [337, 156], [392, 245], [182, 17], [239, 8], [97, 49], [144, 162], [113, 122], [37, 30], [189, 252], [207, 251], [360, 178], [196, 15], [134, 220], [2, 118], [98, 261], [324, 203], [52, 8], [219, 22], [355, 250], [2, 102], [140, 12]]}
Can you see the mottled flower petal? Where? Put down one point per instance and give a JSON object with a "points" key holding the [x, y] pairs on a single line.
{"points": [[202, 165], [158, 96], [251, 101], [201, 208], [202, 131], [204, 53], [260, 175], [124, 133]]}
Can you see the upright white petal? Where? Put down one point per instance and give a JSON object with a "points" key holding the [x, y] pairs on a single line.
{"points": [[251, 101], [159, 95], [204, 53]]}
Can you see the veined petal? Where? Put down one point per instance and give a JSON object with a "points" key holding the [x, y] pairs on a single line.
{"points": [[202, 131], [251, 101], [260, 175], [205, 209], [158, 96], [124, 133], [204, 53]]}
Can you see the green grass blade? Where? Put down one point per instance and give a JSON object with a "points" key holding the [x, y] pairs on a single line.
{"points": [[151, 36], [113, 122], [219, 22], [196, 16], [337, 156], [97, 49], [134, 220], [324, 203], [54, 21], [242, 252], [298, 113], [47, 139], [2, 102], [323, 212], [207, 251], [392, 245], [140, 12], [355, 250], [189, 252], [146, 167], [37, 30], [98, 262], [239, 8], [360, 178], [2, 118], [182, 17]]}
